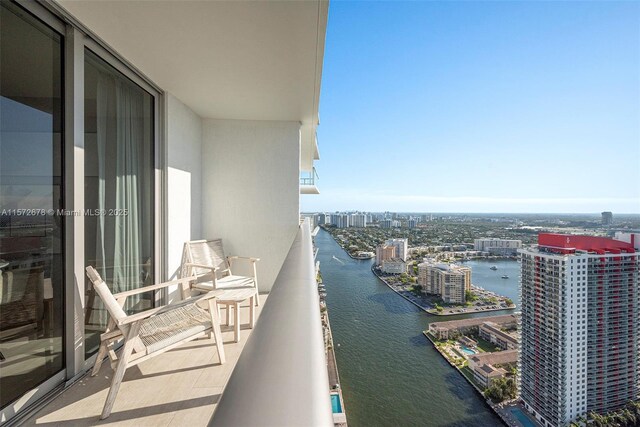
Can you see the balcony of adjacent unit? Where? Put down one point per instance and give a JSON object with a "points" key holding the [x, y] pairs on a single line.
{"points": [[308, 182], [275, 375]]}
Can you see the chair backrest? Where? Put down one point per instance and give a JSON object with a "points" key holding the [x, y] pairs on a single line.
{"points": [[112, 305], [204, 252]]}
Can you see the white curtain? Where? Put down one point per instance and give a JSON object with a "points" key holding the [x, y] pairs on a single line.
{"points": [[104, 89], [120, 133], [130, 134]]}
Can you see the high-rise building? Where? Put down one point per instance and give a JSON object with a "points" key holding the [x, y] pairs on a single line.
{"points": [[358, 220], [402, 246], [607, 218], [342, 220], [384, 252], [385, 223], [412, 223], [450, 281], [580, 333]]}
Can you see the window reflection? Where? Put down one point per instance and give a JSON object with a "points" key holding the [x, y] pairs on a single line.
{"points": [[31, 258]]}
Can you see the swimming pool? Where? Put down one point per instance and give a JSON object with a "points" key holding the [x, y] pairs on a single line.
{"points": [[335, 404], [467, 350], [524, 420]]}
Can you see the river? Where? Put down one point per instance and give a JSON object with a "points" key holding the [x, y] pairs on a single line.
{"points": [[390, 373]]}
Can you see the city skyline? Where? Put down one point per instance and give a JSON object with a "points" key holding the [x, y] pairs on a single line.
{"points": [[481, 107]]}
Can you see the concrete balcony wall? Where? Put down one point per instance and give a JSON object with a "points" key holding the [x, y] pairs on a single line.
{"points": [[184, 180], [250, 189]]}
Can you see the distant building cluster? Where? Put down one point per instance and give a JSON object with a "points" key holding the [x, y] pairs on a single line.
{"points": [[502, 247], [449, 281], [344, 220], [390, 223]]}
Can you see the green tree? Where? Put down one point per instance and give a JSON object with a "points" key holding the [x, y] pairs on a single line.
{"points": [[470, 296], [502, 389]]}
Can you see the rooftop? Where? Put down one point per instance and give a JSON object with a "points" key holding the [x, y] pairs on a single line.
{"points": [[496, 358], [476, 321], [568, 243]]}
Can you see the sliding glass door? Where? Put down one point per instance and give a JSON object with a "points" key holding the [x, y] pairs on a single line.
{"points": [[31, 189], [119, 189]]}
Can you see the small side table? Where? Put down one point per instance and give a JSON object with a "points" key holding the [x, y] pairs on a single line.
{"points": [[232, 298]]}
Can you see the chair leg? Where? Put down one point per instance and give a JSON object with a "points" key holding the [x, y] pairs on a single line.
{"points": [[228, 315], [215, 325], [236, 321], [102, 352], [257, 298], [120, 370], [252, 312]]}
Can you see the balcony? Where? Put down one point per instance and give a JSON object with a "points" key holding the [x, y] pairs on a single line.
{"points": [[308, 181], [275, 375]]}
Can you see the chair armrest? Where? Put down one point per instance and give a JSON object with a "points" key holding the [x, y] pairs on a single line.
{"points": [[210, 267], [166, 308], [154, 287], [246, 258]]}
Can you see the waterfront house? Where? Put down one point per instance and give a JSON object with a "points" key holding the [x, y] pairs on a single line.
{"points": [[454, 328], [492, 332], [487, 367], [129, 128]]}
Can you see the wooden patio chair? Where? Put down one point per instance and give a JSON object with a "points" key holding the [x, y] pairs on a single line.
{"points": [[206, 260], [151, 332]]}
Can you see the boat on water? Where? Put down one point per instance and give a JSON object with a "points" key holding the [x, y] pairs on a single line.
{"points": [[364, 255], [505, 277], [494, 268]]}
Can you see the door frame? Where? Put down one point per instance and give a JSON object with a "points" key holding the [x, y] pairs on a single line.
{"points": [[77, 37]]}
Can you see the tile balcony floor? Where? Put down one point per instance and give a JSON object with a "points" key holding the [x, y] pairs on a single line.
{"points": [[178, 388]]}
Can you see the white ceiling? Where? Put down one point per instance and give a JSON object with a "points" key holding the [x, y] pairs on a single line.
{"points": [[257, 60]]}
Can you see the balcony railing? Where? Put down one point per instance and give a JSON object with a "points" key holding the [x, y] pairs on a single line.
{"points": [[281, 376], [309, 178]]}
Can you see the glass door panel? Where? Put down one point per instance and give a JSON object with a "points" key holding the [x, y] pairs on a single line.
{"points": [[31, 227], [119, 190]]}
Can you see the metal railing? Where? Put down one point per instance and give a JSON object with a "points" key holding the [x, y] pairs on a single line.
{"points": [[310, 179], [281, 376]]}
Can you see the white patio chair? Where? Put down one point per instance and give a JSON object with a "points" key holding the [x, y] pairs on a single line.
{"points": [[151, 332], [206, 260]]}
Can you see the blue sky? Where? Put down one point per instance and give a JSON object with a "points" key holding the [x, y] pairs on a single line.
{"points": [[480, 107]]}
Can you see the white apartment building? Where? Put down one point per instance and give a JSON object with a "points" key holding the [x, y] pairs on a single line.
{"points": [[402, 247], [394, 266], [358, 220], [450, 281], [580, 350], [497, 246], [342, 220]]}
